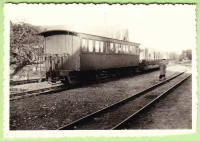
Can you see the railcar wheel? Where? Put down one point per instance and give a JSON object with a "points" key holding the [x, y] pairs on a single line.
{"points": [[65, 81]]}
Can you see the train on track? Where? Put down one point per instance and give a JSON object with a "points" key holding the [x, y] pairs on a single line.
{"points": [[72, 56]]}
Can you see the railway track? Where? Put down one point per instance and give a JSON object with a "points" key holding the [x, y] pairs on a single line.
{"points": [[117, 115], [55, 89], [60, 88], [20, 82]]}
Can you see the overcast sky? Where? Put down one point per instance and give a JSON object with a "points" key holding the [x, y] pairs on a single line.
{"points": [[163, 27]]}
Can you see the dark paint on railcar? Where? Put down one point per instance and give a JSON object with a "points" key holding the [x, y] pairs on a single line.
{"points": [[107, 61], [104, 60], [149, 64]]}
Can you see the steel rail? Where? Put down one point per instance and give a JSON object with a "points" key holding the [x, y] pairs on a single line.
{"points": [[81, 120], [42, 91], [20, 95], [121, 124], [19, 82]]}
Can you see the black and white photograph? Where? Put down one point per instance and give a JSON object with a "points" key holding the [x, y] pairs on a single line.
{"points": [[91, 68]]}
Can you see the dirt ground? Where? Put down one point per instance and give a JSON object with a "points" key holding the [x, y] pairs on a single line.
{"points": [[49, 112]]}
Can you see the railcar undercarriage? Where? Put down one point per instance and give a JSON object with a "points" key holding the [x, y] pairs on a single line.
{"points": [[72, 77]]}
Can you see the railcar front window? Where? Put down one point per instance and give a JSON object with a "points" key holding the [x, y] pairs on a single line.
{"points": [[90, 46], [84, 45], [96, 46]]}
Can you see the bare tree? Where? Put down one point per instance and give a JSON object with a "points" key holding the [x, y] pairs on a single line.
{"points": [[23, 43]]}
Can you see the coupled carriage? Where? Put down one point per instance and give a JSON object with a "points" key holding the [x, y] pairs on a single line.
{"points": [[72, 56]]}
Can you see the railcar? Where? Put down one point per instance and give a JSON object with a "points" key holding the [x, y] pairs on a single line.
{"points": [[150, 59], [71, 55]]}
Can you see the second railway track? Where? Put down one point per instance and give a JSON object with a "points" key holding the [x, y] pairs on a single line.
{"points": [[20, 95], [59, 87], [117, 115], [20, 82], [54, 89]]}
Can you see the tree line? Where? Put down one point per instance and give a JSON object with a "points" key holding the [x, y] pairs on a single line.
{"points": [[185, 54]]}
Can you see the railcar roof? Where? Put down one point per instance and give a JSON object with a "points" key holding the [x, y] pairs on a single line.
{"points": [[48, 32], [60, 31]]}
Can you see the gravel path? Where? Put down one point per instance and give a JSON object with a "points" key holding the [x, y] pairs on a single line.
{"points": [[55, 110]]}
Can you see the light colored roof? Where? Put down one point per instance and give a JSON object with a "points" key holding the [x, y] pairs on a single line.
{"points": [[110, 31], [95, 31]]}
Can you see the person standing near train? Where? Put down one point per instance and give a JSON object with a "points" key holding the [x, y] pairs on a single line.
{"points": [[162, 67]]}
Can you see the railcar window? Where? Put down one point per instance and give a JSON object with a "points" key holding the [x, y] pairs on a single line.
{"points": [[96, 46], [134, 50], [127, 49], [90, 45], [123, 49], [111, 48], [84, 45], [107, 47], [120, 49], [116, 48], [137, 50], [131, 49], [142, 54], [101, 46]]}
